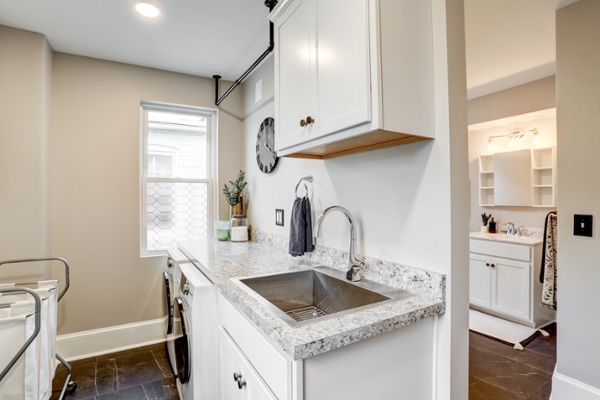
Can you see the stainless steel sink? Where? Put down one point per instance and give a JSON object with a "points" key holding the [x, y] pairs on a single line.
{"points": [[301, 296]]}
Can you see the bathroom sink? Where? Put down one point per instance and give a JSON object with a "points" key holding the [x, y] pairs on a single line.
{"points": [[304, 296], [501, 237]]}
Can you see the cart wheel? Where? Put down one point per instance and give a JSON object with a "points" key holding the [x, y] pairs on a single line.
{"points": [[71, 387]]}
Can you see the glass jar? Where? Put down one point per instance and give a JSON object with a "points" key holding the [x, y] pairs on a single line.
{"points": [[222, 230]]}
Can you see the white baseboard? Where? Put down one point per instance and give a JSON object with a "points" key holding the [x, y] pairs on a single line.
{"points": [[76, 346], [566, 388]]}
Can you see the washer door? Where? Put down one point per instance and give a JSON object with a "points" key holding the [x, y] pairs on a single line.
{"points": [[167, 278], [182, 345]]}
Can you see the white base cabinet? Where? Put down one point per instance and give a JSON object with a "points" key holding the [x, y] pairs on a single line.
{"points": [[244, 383], [504, 281], [397, 364]]}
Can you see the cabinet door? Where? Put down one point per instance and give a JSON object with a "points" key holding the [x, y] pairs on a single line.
{"points": [[294, 73], [343, 73], [233, 362], [480, 281], [511, 287]]}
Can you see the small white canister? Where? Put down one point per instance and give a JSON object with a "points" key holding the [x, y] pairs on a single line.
{"points": [[239, 233]]}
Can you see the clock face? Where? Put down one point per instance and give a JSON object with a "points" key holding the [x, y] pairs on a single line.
{"points": [[266, 158]]}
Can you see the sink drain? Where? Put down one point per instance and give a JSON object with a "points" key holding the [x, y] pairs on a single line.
{"points": [[305, 313]]}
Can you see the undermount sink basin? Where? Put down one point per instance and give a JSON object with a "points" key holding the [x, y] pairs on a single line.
{"points": [[301, 296]]}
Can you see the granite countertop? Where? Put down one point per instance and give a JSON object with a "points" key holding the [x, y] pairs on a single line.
{"points": [[222, 261], [502, 237]]}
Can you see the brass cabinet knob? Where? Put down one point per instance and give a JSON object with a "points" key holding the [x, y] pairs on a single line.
{"points": [[309, 120]]}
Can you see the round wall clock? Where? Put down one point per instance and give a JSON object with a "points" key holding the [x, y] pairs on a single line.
{"points": [[266, 157]]}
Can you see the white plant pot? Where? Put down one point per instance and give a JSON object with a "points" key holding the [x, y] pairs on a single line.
{"points": [[484, 229]]}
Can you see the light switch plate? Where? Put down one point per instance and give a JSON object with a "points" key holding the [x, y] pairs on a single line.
{"points": [[582, 225], [278, 217]]}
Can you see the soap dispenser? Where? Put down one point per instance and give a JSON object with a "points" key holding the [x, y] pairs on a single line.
{"points": [[492, 226]]}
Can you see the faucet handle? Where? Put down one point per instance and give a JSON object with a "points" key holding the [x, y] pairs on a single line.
{"points": [[353, 274]]}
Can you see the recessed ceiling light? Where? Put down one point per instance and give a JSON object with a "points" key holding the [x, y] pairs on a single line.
{"points": [[147, 10]]}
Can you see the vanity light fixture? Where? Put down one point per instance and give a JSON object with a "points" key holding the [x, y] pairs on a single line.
{"points": [[513, 136], [147, 10]]}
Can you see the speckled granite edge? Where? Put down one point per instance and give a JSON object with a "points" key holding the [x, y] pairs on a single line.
{"points": [[223, 261], [411, 279]]}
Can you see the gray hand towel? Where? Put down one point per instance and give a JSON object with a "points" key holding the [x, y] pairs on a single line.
{"points": [[297, 228], [308, 242]]}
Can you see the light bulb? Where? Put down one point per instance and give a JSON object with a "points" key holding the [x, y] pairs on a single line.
{"points": [[490, 145], [511, 143], [536, 139], [147, 10]]}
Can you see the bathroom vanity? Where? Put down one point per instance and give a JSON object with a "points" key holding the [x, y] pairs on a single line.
{"points": [[504, 278]]}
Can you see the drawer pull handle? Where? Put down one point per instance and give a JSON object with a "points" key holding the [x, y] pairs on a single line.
{"points": [[241, 383], [302, 123], [487, 264], [493, 265], [237, 377]]}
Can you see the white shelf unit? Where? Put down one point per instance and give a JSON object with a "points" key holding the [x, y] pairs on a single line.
{"points": [[486, 180], [543, 177]]}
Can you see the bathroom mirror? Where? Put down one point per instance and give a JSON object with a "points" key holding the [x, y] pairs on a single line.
{"points": [[512, 175]]}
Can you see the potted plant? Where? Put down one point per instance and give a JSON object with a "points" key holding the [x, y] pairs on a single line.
{"points": [[234, 196], [484, 220]]}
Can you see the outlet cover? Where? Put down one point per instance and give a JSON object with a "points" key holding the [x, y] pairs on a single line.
{"points": [[278, 217], [582, 225]]}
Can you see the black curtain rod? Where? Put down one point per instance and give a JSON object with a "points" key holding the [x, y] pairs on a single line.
{"points": [[219, 100]]}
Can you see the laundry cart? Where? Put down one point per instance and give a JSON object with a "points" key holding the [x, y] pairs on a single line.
{"points": [[28, 357]]}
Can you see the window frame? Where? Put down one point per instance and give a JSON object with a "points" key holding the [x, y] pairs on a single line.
{"points": [[211, 160]]}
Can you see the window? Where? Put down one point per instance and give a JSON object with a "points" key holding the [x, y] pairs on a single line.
{"points": [[176, 175]]}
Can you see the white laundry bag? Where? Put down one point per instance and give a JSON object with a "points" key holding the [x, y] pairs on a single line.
{"points": [[16, 326]]}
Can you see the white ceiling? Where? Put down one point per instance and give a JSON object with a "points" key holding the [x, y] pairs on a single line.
{"points": [[509, 42]]}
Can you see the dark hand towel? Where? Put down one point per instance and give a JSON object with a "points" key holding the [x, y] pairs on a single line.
{"points": [[297, 228], [308, 242]]}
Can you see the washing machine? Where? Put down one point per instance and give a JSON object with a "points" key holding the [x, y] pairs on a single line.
{"points": [[170, 277], [196, 357]]}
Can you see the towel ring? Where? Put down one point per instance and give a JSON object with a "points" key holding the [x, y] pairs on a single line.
{"points": [[303, 179], [305, 191]]}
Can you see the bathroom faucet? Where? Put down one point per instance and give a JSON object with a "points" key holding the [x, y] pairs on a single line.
{"points": [[355, 264], [510, 229]]}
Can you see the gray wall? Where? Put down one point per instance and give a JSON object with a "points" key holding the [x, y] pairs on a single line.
{"points": [[70, 132], [578, 101], [410, 201], [25, 79]]}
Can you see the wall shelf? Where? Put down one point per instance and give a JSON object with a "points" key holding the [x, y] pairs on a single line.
{"points": [[543, 178]]}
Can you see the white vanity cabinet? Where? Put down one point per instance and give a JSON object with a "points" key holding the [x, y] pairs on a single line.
{"points": [[333, 59], [504, 281], [400, 361]]}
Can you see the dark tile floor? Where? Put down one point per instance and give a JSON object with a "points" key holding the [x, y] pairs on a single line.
{"points": [[497, 371], [142, 373]]}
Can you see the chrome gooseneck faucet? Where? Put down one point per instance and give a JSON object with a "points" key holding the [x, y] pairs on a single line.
{"points": [[355, 264]]}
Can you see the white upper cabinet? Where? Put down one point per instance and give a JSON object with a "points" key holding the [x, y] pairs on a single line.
{"points": [[352, 75]]}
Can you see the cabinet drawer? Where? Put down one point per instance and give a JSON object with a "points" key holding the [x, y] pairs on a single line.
{"points": [[496, 249], [271, 365]]}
